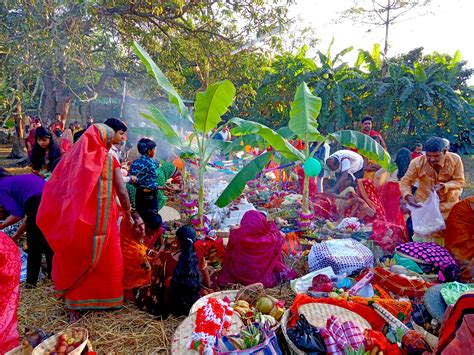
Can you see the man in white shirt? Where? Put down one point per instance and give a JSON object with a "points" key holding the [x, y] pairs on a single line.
{"points": [[347, 165]]}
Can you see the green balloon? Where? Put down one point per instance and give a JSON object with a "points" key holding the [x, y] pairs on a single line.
{"points": [[312, 167]]}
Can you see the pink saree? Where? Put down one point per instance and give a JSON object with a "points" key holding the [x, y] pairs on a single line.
{"points": [[253, 253]]}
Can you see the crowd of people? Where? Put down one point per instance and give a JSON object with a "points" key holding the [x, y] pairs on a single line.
{"points": [[92, 202]]}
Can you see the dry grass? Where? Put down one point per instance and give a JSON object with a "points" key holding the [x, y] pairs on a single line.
{"points": [[128, 330]]}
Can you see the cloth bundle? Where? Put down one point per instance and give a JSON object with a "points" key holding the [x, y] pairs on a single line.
{"points": [[432, 254], [344, 256], [306, 337], [339, 337]]}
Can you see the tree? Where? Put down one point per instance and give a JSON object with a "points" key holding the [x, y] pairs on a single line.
{"points": [[78, 50], [383, 13], [209, 106], [303, 123]]}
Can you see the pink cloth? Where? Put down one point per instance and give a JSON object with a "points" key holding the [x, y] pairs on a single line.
{"points": [[10, 267], [253, 253], [339, 337]]}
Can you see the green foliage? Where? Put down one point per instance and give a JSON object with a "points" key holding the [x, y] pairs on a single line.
{"points": [[275, 140], [161, 121], [420, 96], [247, 173], [304, 112], [162, 80], [211, 104], [365, 145]]}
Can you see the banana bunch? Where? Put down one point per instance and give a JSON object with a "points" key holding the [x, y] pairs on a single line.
{"points": [[243, 308], [265, 318]]}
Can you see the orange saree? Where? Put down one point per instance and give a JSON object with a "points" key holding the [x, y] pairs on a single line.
{"points": [[459, 233], [137, 268], [78, 216]]}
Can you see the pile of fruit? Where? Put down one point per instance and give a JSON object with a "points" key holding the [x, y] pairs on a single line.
{"points": [[66, 343], [265, 310]]}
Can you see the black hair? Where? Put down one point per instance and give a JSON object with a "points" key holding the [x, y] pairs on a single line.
{"points": [[418, 145], [402, 159], [78, 135], [4, 172], [435, 145], [152, 219], [186, 281], [144, 145], [58, 133], [367, 118], [38, 154], [116, 124]]}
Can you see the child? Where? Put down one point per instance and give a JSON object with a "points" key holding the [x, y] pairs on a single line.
{"points": [[144, 168]]}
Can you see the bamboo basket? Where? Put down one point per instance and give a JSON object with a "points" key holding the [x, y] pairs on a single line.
{"points": [[43, 348], [230, 294], [283, 322]]}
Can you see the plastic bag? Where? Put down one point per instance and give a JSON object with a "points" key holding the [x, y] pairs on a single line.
{"points": [[307, 337], [428, 218]]}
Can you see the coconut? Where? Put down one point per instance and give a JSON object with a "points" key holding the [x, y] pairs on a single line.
{"points": [[264, 305]]}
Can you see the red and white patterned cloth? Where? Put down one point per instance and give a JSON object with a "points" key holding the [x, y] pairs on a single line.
{"points": [[339, 337], [213, 318]]}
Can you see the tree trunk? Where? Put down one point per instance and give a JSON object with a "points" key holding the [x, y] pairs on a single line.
{"points": [[63, 105], [48, 109], [385, 47], [18, 149]]}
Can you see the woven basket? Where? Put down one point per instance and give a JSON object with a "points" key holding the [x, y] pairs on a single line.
{"points": [[230, 294], [251, 293], [318, 313], [182, 334], [283, 322], [43, 348], [168, 213], [390, 318], [430, 338]]}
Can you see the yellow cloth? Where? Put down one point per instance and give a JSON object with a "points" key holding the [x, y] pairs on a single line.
{"points": [[451, 175]]}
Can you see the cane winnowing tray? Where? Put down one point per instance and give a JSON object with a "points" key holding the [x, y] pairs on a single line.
{"points": [[318, 313]]}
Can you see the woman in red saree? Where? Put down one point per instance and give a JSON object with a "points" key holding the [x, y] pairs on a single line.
{"points": [[10, 267], [78, 216], [386, 234]]}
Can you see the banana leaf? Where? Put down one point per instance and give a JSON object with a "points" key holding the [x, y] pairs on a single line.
{"points": [[285, 132], [366, 146], [211, 104], [247, 173], [304, 113], [163, 124], [275, 140], [162, 80]]}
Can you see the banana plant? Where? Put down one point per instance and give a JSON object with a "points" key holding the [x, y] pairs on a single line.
{"points": [[209, 106], [304, 124]]}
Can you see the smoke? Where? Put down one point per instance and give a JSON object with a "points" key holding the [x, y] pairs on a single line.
{"points": [[139, 127]]}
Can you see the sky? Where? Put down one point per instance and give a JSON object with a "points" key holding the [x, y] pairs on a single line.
{"points": [[447, 27]]}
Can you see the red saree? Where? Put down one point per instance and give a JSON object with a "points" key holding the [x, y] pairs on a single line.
{"points": [[385, 233], [78, 216], [10, 267]]}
